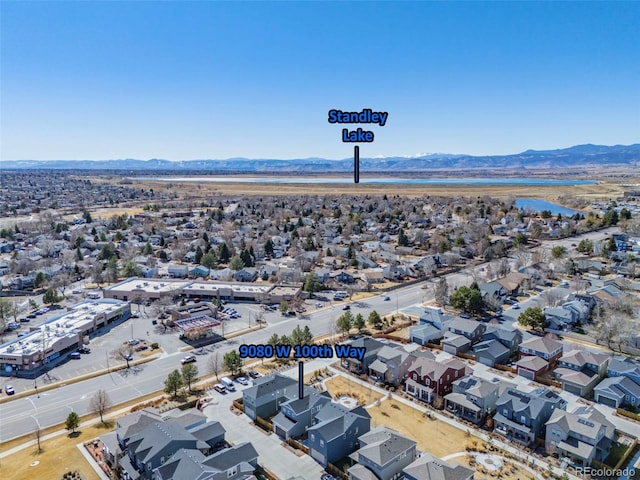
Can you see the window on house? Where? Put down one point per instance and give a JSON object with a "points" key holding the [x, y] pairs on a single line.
{"points": [[523, 419], [232, 471]]}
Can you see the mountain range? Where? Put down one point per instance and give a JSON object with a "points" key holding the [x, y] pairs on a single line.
{"points": [[579, 156]]}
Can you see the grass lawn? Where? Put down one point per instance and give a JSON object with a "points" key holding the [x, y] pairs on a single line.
{"points": [[340, 385], [432, 436], [615, 454], [59, 455]]}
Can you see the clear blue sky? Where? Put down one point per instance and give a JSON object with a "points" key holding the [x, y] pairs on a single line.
{"points": [[186, 80]]}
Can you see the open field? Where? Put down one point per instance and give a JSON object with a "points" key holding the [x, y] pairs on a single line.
{"points": [[432, 436], [59, 455], [341, 385]]}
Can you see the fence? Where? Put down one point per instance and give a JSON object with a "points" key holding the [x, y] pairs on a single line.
{"points": [[504, 368], [549, 383], [298, 445], [264, 424], [336, 472]]}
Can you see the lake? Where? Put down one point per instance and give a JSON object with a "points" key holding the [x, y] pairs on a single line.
{"points": [[539, 205], [375, 181]]}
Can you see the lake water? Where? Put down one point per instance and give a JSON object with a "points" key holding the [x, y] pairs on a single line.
{"points": [[539, 205], [375, 181]]}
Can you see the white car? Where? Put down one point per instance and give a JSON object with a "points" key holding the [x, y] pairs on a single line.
{"points": [[9, 390], [516, 306], [188, 359], [242, 380]]}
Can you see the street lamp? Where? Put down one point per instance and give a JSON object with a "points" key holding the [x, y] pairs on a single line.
{"points": [[35, 387]]}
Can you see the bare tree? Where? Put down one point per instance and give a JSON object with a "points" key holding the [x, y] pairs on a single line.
{"points": [[37, 434], [124, 352], [213, 364], [521, 256], [99, 403]]}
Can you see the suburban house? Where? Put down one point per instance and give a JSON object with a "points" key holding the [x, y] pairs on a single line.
{"points": [[428, 378], [581, 437], [391, 365], [493, 293], [617, 392], [471, 329], [425, 333], [383, 454], [621, 366], [371, 348], [473, 398], [547, 349], [490, 352], [235, 463], [568, 314], [430, 467], [509, 337], [579, 371], [531, 367], [336, 431], [521, 416], [435, 317], [297, 414], [264, 398]]}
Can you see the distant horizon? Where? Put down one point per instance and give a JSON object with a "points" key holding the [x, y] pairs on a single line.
{"points": [[416, 156], [218, 80]]}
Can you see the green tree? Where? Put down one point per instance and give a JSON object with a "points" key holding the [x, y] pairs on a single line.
{"points": [[87, 216], [403, 240], [173, 383], [246, 257], [198, 256], [39, 280], [374, 319], [148, 249], [131, 269], [232, 362], [359, 322], [585, 246], [344, 323], [533, 317], [273, 340], [208, 260], [520, 239], [300, 337], [50, 296], [108, 251], [72, 422], [189, 374], [284, 307], [236, 263], [468, 299], [558, 251], [223, 253], [307, 336], [268, 247], [312, 283], [610, 218]]}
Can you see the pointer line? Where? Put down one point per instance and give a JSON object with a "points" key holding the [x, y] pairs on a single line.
{"points": [[356, 164]]}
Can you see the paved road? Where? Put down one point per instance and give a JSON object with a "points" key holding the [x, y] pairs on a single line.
{"points": [[52, 407]]}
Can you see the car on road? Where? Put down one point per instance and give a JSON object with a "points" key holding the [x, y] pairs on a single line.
{"points": [[25, 320], [76, 291], [347, 307], [84, 349], [12, 326], [9, 390], [242, 380], [75, 355], [188, 359], [387, 298], [516, 306]]}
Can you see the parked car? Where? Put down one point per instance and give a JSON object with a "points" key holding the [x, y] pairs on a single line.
{"points": [[141, 347], [464, 315], [9, 390], [347, 307], [387, 298], [254, 374], [220, 388], [242, 380], [75, 355], [76, 291], [128, 357], [318, 305], [25, 319], [84, 349], [133, 341], [515, 306], [188, 359]]}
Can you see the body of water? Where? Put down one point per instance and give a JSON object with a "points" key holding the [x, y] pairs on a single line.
{"points": [[375, 181], [539, 205]]}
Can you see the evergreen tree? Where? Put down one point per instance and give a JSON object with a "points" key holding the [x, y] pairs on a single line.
{"points": [[223, 253]]}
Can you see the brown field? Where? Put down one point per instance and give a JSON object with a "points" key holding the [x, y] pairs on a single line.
{"points": [[341, 385], [433, 436], [59, 455]]}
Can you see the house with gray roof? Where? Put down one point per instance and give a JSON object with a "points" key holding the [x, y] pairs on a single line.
{"points": [[264, 398], [580, 370], [474, 398], [546, 348], [336, 431], [391, 364], [521, 416], [235, 463], [297, 415], [490, 352], [383, 453], [371, 346], [425, 333], [624, 366], [510, 337], [430, 467], [617, 392], [471, 329], [581, 437]]}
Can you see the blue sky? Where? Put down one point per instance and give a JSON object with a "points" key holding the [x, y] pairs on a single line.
{"points": [[186, 80]]}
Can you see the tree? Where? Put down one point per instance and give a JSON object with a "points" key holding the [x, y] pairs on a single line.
{"points": [[232, 361], [533, 317], [585, 246], [441, 291], [72, 422], [213, 364], [6, 312], [468, 299], [50, 296], [403, 240], [344, 323], [236, 263], [312, 283], [39, 280], [100, 402], [37, 434], [359, 322], [223, 253], [124, 352], [209, 260], [173, 383], [284, 307], [198, 256], [374, 319], [558, 251], [189, 374], [268, 247], [131, 269]]}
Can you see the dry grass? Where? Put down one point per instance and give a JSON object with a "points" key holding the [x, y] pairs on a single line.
{"points": [[341, 385], [433, 436], [59, 455], [511, 472]]}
